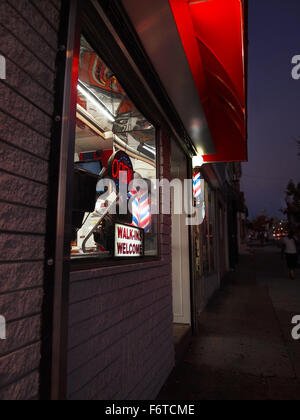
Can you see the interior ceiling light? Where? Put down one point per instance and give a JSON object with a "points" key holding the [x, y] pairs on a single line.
{"points": [[91, 97]]}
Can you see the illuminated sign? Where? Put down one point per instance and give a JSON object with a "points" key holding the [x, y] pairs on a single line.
{"points": [[129, 241], [120, 162]]}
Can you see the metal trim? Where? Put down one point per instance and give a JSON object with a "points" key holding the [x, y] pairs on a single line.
{"points": [[63, 135]]}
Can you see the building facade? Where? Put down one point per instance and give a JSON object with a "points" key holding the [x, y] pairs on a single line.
{"points": [[91, 297]]}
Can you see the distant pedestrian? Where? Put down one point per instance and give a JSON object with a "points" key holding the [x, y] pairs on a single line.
{"points": [[290, 250]]}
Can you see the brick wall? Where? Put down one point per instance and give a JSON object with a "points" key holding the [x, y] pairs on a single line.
{"points": [[120, 326], [28, 33]]}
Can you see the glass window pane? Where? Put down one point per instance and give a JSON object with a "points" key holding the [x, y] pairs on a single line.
{"points": [[112, 137]]}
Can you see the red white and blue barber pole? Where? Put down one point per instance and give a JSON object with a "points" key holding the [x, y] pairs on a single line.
{"points": [[197, 186], [199, 191], [140, 207]]}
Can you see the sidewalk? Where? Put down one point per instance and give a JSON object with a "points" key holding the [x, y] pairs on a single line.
{"points": [[244, 348]]}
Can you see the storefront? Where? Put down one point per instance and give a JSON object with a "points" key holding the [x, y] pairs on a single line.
{"points": [[114, 283], [104, 271]]}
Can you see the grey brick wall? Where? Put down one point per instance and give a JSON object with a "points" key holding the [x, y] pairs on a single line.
{"points": [[28, 32], [120, 326]]}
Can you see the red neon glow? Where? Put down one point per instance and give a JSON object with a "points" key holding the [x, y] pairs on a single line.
{"points": [[212, 33], [118, 167], [115, 169]]}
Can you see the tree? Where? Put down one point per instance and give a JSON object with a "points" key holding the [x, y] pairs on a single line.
{"points": [[293, 203], [261, 223]]}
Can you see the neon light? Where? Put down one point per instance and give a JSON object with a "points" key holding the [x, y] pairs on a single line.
{"points": [[115, 169], [118, 167]]}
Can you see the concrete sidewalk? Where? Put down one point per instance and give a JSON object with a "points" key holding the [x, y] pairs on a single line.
{"points": [[244, 349]]}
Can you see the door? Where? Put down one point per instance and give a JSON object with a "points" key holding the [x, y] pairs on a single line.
{"points": [[180, 244]]}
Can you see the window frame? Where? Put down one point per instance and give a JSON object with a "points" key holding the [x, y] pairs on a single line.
{"points": [[86, 28]]}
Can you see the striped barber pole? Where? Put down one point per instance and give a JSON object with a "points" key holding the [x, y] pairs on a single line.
{"points": [[141, 215], [197, 187], [144, 210]]}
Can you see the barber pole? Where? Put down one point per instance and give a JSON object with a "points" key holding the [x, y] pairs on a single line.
{"points": [[197, 185], [144, 210], [141, 215]]}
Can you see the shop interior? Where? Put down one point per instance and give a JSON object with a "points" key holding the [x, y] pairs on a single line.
{"points": [[109, 126]]}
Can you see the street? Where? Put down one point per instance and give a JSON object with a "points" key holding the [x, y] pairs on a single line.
{"points": [[244, 349]]}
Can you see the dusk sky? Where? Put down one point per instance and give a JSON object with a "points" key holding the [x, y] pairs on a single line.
{"points": [[273, 104]]}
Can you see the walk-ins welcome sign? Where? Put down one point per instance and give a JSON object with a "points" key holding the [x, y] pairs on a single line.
{"points": [[129, 241]]}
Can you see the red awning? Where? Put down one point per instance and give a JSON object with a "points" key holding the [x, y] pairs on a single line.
{"points": [[213, 37]]}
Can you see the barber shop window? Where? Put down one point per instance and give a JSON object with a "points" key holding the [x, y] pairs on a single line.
{"points": [[115, 145]]}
